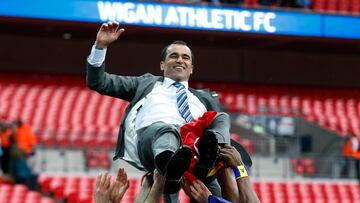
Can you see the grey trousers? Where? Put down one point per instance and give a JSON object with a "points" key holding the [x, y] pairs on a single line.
{"points": [[221, 127], [154, 139], [159, 137]]}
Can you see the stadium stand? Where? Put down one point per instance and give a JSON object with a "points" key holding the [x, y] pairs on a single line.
{"points": [[86, 123], [58, 119], [97, 159], [80, 189], [304, 166], [20, 194], [314, 191], [340, 6], [334, 109], [346, 7]]}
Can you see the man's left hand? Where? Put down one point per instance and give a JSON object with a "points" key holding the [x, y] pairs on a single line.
{"points": [[102, 188], [119, 187]]}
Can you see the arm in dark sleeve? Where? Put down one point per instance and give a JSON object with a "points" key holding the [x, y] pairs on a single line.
{"points": [[123, 87]]}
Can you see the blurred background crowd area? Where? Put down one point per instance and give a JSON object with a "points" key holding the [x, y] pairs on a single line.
{"points": [[327, 6], [251, 3]]}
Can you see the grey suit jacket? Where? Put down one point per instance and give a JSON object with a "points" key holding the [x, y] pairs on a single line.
{"points": [[133, 89]]}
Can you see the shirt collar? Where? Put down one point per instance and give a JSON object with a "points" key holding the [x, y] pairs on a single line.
{"points": [[168, 82]]}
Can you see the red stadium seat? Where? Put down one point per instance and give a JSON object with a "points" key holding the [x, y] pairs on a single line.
{"points": [[355, 6], [309, 166], [344, 6], [44, 182], [246, 143], [251, 105], [20, 194], [274, 105], [296, 164], [251, 3], [285, 107], [331, 5], [319, 5]]}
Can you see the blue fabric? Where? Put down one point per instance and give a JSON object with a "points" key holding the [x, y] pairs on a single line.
{"points": [[247, 168], [304, 3], [182, 101], [215, 199], [20, 169]]}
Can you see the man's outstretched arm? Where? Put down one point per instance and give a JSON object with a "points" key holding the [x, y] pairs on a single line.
{"points": [[97, 79]]}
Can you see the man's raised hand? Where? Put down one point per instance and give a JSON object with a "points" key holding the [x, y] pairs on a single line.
{"points": [[231, 155], [119, 187], [102, 188], [108, 33]]}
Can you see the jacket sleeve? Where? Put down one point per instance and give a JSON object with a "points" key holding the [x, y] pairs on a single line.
{"points": [[215, 97], [211, 101], [123, 87]]}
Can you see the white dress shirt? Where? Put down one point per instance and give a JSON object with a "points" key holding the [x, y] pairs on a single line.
{"points": [[96, 57], [161, 105]]}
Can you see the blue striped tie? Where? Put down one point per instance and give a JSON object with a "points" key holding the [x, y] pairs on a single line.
{"points": [[182, 101]]}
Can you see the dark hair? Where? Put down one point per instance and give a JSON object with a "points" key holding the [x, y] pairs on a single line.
{"points": [[164, 51]]}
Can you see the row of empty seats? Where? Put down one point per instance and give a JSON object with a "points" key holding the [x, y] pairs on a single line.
{"points": [[97, 159], [80, 189], [304, 166], [73, 115], [335, 109], [330, 6], [342, 6], [309, 191], [20, 194], [64, 115]]}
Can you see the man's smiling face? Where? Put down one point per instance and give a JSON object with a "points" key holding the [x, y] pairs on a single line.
{"points": [[178, 63]]}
